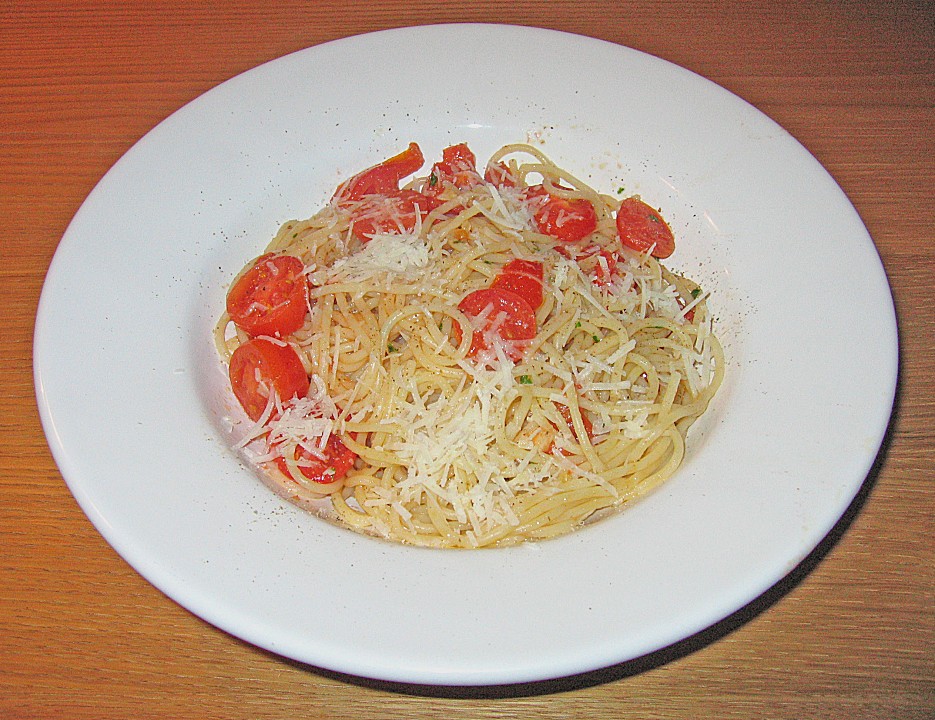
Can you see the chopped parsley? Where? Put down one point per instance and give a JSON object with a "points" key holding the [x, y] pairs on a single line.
{"points": [[525, 380]]}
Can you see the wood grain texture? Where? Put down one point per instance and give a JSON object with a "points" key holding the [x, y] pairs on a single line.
{"points": [[850, 633]]}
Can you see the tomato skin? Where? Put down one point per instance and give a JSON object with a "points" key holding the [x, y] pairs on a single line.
{"points": [[640, 228], [395, 212], [523, 277], [382, 179], [259, 366], [518, 325], [338, 460], [566, 219], [270, 297]]}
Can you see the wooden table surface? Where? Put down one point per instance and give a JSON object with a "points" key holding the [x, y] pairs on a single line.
{"points": [[848, 635]]}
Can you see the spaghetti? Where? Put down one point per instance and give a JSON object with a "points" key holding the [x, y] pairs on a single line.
{"points": [[476, 359]]}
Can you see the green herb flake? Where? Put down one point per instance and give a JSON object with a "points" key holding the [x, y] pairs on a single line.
{"points": [[596, 338], [525, 380], [433, 180], [578, 324], [696, 292], [391, 348]]}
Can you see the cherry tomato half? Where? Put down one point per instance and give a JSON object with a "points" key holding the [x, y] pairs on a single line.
{"points": [[518, 318], [396, 212], [457, 167], [384, 178], [270, 297], [259, 367], [566, 219], [530, 267], [523, 277], [335, 465], [641, 228], [499, 174], [599, 262]]}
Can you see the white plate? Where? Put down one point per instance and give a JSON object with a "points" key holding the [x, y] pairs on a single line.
{"points": [[131, 393]]}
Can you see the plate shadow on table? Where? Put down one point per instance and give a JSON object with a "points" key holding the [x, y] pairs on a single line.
{"points": [[660, 657]]}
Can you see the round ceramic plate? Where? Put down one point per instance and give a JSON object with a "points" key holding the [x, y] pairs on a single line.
{"points": [[133, 397]]}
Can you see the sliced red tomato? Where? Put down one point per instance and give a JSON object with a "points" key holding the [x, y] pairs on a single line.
{"points": [[384, 178], [604, 271], [259, 367], [499, 174], [530, 267], [338, 460], [393, 213], [690, 315], [458, 167], [566, 219], [523, 277], [642, 228], [523, 284], [270, 297], [514, 317], [599, 262], [565, 412]]}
